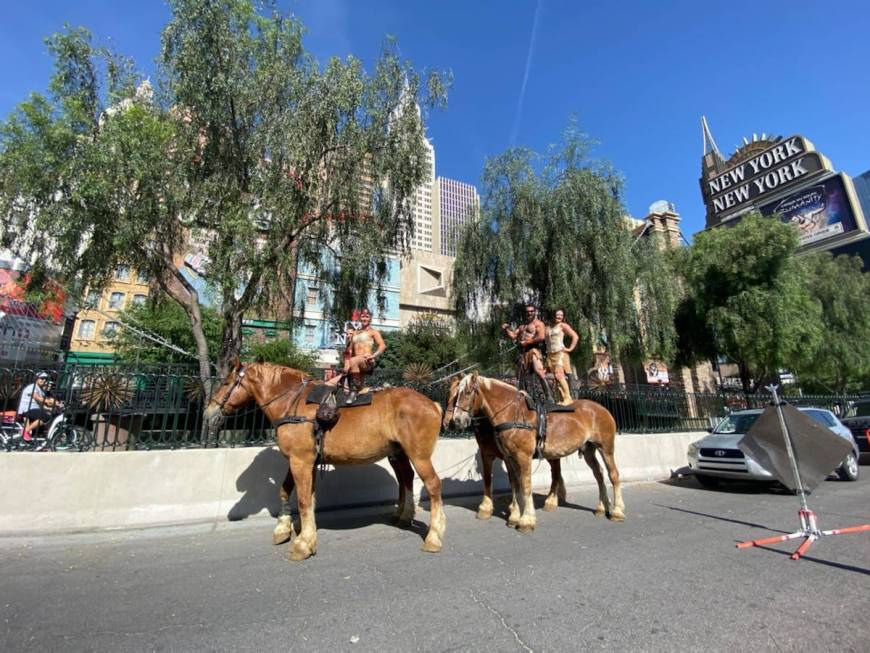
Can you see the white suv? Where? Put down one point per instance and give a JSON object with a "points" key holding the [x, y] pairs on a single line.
{"points": [[717, 457]]}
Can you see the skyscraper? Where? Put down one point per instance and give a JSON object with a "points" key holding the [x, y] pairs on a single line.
{"points": [[457, 203], [422, 207]]}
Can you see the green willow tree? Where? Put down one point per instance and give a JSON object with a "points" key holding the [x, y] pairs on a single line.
{"points": [[167, 320], [841, 362], [553, 232], [250, 153], [427, 340], [748, 299]]}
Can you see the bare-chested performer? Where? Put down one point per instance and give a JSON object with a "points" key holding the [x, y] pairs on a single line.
{"points": [[364, 345], [529, 338], [557, 353]]}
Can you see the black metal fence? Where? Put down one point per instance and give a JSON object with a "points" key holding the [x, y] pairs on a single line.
{"points": [[122, 409]]}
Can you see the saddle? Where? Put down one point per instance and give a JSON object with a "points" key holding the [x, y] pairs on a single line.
{"points": [[330, 400], [321, 392], [547, 407]]}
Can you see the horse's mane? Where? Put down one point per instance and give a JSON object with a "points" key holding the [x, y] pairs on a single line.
{"points": [[274, 374], [487, 383]]}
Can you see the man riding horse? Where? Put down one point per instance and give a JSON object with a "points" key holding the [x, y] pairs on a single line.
{"points": [[364, 345], [530, 338]]}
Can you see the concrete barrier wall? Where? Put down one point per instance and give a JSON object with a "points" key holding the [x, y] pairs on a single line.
{"points": [[65, 492]]}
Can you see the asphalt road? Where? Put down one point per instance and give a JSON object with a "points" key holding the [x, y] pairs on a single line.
{"points": [[669, 578]]}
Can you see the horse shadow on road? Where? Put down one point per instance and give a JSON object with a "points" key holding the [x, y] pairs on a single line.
{"points": [[347, 487], [467, 493], [260, 483]]}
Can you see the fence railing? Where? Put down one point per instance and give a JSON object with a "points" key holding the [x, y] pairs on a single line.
{"points": [[126, 409]]}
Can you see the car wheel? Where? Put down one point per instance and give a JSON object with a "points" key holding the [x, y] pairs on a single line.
{"points": [[848, 469], [708, 482]]}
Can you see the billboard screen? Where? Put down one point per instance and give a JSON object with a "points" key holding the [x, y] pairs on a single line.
{"points": [[819, 212]]}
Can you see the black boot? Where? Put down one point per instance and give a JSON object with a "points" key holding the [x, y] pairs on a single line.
{"points": [[356, 384]]}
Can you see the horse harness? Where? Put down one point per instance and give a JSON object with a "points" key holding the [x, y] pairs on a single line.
{"points": [[540, 429], [318, 429], [541, 411], [288, 419], [325, 417]]}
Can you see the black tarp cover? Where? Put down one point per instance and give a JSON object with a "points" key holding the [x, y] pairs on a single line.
{"points": [[818, 450]]}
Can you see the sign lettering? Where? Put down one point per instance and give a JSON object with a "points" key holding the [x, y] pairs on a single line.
{"points": [[774, 173]]}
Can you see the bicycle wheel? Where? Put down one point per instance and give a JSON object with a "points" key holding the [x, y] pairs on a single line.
{"points": [[66, 439]]}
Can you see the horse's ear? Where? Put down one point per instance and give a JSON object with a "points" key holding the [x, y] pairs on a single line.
{"points": [[237, 364], [474, 376]]}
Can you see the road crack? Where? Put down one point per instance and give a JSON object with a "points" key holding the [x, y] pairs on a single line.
{"points": [[504, 623]]}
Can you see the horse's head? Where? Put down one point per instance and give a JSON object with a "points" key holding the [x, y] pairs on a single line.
{"points": [[463, 401], [233, 393]]}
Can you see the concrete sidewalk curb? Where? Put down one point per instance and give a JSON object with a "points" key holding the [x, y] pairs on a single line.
{"points": [[50, 493]]}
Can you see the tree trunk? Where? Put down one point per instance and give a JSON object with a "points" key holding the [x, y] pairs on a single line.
{"points": [[178, 288], [231, 341], [294, 277], [745, 378]]}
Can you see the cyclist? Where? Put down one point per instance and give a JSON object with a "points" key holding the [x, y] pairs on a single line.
{"points": [[34, 404]]}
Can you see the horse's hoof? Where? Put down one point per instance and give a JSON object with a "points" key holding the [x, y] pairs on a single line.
{"points": [[616, 516], [301, 552], [484, 514], [525, 528], [404, 522], [550, 506], [431, 547], [513, 524], [279, 537], [599, 512]]}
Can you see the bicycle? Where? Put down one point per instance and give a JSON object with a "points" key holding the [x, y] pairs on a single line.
{"points": [[57, 435]]}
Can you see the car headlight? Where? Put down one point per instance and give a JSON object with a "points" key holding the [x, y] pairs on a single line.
{"points": [[693, 449]]}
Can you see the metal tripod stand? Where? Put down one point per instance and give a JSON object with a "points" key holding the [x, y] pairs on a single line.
{"points": [[809, 529]]}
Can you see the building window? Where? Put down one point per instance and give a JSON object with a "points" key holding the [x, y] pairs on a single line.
{"points": [[86, 329], [122, 273], [110, 329], [312, 295], [138, 300], [141, 278], [92, 300], [310, 335], [116, 301]]}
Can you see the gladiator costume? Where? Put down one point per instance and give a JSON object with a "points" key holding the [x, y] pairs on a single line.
{"points": [[367, 342], [530, 352]]}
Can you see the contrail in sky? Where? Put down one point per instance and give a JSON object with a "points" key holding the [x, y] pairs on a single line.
{"points": [[519, 115]]}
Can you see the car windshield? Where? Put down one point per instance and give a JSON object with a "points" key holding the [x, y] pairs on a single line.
{"points": [[741, 423], [821, 417], [737, 423], [862, 409]]}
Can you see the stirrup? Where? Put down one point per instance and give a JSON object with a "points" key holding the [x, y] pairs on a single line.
{"points": [[350, 398]]}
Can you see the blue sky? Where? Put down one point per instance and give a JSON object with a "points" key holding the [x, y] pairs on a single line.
{"points": [[637, 74]]}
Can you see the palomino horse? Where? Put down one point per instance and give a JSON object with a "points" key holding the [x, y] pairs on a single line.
{"points": [[400, 424], [589, 428], [489, 452]]}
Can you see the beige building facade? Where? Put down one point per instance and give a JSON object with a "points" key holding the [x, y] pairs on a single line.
{"points": [[95, 324], [426, 282]]}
